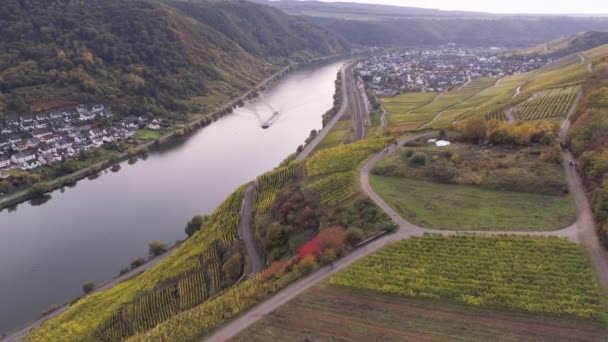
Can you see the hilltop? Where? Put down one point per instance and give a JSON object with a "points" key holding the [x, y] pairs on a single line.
{"points": [[568, 45], [144, 56]]}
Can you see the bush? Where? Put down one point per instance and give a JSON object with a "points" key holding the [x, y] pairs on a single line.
{"points": [[156, 248], [88, 287], [441, 171], [328, 255], [233, 267], [306, 265], [418, 159], [276, 236], [354, 236], [408, 153], [39, 189], [137, 262], [195, 224]]}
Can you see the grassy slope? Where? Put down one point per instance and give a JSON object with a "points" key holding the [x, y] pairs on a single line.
{"points": [[461, 207], [410, 111], [565, 72]]}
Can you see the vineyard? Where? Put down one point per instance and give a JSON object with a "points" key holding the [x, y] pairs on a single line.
{"points": [[497, 116], [185, 279], [530, 274], [548, 104], [342, 158], [199, 321], [335, 188], [269, 184]]}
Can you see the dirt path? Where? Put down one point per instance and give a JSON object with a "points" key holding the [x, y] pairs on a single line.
{"points": [[517, 91], [511, 116], [321, 135], [246, 233], [582, 57], [585, 222], [383, 118]]}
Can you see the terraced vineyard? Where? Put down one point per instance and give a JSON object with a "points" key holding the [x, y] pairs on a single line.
{"points": [[342, 158], [403, 103], [269, 184], [514, 273], [548, 104], [188, 277], [497, 116], [334, 189]]}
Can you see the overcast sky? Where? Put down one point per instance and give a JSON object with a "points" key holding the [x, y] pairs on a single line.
{"points": [[504, 6]]}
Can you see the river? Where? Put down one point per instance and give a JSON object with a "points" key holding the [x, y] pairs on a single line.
{"points": [[91, 231]]}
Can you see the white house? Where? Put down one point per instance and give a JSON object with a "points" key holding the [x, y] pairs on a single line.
{"points": [[4, 162], [23, 157]]}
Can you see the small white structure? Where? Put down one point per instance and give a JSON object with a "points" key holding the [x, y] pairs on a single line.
{"points": [[442, 143]]}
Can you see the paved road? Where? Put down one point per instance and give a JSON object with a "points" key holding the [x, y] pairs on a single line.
{"points": [[246, 233], [321, 135], [585, 221], [405, 231]]}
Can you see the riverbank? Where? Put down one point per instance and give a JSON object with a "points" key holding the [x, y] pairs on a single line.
{"points": [[24, 195]]}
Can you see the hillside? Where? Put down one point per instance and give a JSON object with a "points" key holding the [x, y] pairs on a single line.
{"points": [[490, 31], [383, 25], [568, 45], [354, 10], [142, 56]]}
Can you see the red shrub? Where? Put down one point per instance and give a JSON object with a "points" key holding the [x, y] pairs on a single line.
{"points": [[274, 268], [332, 237], [312, 247]]}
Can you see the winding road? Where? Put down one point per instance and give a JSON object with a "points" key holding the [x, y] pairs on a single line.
{"points": [[582, 231]]}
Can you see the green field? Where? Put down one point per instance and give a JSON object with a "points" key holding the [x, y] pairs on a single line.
{"points": [[461, 207], [147, 134], [462, 288]]}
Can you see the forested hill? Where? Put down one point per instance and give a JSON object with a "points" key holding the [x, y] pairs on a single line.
{"points": [[143, 56], [382, 25], [568, 45]]}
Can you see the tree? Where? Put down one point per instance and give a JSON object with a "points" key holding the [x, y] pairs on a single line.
{"points": [[195, 224], [137, 262], [88, 287], [354, 236], [39, 189], [418, 159], [233, 267], [276, 236], [156, 248]]}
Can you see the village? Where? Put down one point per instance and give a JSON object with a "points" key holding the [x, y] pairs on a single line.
{"points": [[30, 141], [439, 69]]}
